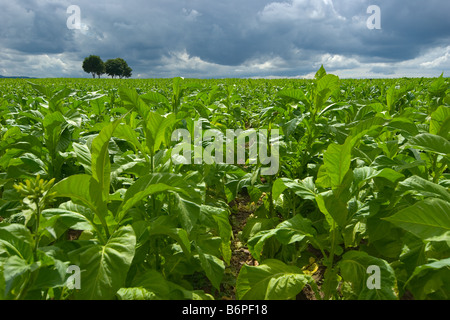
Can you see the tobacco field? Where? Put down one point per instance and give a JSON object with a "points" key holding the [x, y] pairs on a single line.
{"points": [[92, 205]]}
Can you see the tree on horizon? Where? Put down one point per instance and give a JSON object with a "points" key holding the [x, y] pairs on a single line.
{"points": [[118, 67], [94, 65]]}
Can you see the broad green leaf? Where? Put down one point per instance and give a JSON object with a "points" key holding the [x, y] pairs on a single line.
{"points": [[83, 156], [226, 233], [431, 281], [291, 126], [152, 184], [383, 236], [366, 126], [104, 268], [300, 188], [80, 187], [57, 98], [25, 166], [163, 226], [337, 161], [326, 85], [214, 267], [440, 122], [195, 294], [155, 98], [131, 99], [432, 143], [43, 90], [332, 206], [405, 125], [53, 120], [156, 284], [362, 174], [14, 268], [101, 165], [86, 189], [11, 133], [438, 86], [323, 178], [53, 129], [354, 268], [343, 191], [414, 253], [295, 94], [255, 225], [428, 219], [177, 91], [256, 243], [52, 272], [2, 283], [127, 163], [135, 294], [389, 174], [420, 186], [16, 239], [136, 195], [156, 126], [124, 131], [272, 280], [287, 232], [320, 73], [220, 217], [294, 230], [334, 106], [98, 106], [337, 158], [390, 97], [65, 140], [69, 219], [186, 210], [82, 209]]}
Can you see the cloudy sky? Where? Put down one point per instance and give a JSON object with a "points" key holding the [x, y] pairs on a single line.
{"points": [[227, 38]]}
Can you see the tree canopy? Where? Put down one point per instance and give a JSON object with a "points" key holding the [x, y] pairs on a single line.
{"points": [[94, 65], [112, 67], [118, 67]]}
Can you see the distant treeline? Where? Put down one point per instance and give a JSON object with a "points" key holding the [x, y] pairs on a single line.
{"points": [[112, 67], [16, 77]]}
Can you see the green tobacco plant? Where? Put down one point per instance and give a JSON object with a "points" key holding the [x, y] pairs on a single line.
{"points": [[93, 205], [36, 197], [30, 268], [356, 202]]}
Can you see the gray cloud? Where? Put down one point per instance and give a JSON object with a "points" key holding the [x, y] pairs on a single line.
{"points": [[201, 38], [383, 70]]}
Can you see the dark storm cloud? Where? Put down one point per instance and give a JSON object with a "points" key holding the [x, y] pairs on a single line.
{"points": [[339, 27], [33, 26], [225, 38], [383, 70], [409, 27]]}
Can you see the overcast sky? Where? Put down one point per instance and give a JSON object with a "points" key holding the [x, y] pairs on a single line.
{"points": [[234, 38]]}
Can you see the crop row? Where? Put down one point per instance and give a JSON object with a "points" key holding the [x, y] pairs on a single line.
{"points": [[96, 204]]}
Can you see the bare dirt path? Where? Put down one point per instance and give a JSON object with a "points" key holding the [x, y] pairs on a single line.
{"points": [[242, 208]]}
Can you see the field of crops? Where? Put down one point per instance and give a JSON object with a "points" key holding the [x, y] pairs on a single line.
{"points": [[101, 198]]}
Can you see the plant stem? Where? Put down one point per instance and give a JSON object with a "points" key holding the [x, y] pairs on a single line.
{"points": [[330, 270], [270, 197], [151, 163], [36, 230], [293, 203], [436, 171]]}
